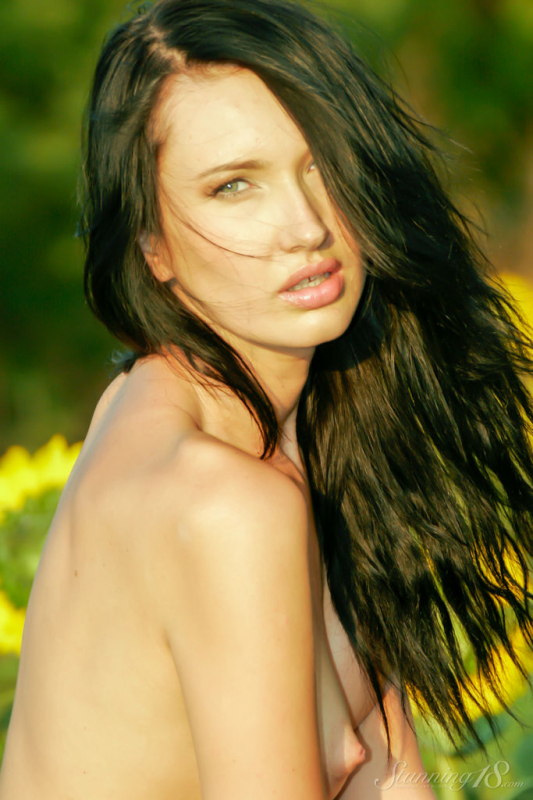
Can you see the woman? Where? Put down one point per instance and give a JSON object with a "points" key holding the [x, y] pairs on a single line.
{"points": [[314, 457]]}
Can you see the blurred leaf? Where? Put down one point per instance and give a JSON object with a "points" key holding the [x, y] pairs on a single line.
{"points": [[523, 755], [22, 538], [8, 678], [464, 64]]}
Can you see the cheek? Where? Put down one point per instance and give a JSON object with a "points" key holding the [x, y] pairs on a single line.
{"points": [[233, 229], [348, 238], [215, 260], [213, 273]]}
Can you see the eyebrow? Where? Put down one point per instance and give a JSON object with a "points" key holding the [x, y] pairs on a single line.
{"points": [[230, 166]]}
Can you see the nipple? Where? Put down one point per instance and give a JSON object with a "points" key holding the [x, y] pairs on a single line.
{"points": [[354, 752], [350, 756]]}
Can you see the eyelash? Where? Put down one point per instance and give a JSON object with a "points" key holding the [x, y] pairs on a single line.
{"points": [[219, 193]]}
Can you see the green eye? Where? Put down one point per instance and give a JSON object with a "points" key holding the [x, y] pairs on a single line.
{"points": [[230, 187]]}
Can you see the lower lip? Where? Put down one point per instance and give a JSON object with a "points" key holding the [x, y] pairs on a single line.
{"points": [[317, 296]]}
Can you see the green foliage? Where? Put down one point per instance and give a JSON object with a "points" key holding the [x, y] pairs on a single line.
{"points": [[22, 538], [506, 773], [54, 352], [8, 678], [464, 64]]}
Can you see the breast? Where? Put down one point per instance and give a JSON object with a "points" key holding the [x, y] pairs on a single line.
{"points": [[350, 675], [343, 699], [341, 748]]}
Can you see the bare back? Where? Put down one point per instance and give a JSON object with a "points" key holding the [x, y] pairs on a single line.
{"points": [[99, 709]]}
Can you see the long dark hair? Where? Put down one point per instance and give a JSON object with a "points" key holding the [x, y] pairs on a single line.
{"points": [[414, 424]]}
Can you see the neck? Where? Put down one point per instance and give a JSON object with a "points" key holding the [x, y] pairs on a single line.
{"points": [[282, 374]]}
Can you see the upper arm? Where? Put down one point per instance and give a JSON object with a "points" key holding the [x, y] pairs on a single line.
{"points": [[239, 624]]}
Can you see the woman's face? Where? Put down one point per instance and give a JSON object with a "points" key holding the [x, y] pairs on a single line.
{"points": [[243, 209]]}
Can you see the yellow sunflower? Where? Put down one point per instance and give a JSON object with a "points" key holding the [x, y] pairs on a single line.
{"points": [[21, 476]]}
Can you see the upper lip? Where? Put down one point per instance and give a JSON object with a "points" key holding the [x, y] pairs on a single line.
{"points": [[310, 270]]}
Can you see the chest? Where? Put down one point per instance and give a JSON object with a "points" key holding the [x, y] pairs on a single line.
{"points": [[105, 690], [342, 686]]}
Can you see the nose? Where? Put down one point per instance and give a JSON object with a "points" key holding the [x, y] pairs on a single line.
{"points": [[301, 224]]}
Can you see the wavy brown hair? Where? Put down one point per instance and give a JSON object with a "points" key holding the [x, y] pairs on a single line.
{"points": [[414, 425]]}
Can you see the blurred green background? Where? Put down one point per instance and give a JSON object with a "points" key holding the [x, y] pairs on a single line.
{"points": [[465, 65]]}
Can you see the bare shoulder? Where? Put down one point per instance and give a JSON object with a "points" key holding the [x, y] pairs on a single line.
{"points": [[209, 478], [153, 383], [215, 543], [236, 607], [164, 489], [105, 400], [116, 491], [213, 496]]}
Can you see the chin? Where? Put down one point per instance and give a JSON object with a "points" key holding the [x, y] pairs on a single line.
{"points": [[335, 333], [330, 326], [320, 335]]}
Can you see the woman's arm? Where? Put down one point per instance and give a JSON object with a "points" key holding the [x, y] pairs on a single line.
{"points": [[237, 610], [405, 778]]}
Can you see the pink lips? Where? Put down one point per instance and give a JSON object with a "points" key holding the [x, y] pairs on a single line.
{"points": [[315, 296], [310, 271]]}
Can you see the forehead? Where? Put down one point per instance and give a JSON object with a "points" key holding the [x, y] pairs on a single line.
{"points": [[221, 114]]}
